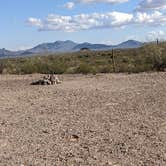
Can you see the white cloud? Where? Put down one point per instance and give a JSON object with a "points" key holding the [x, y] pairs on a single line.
{"points": [[153, 35], [97, 20], [152, 5], [155, 19], [82, 21], [69, 5], [103, 1], [34, 21]]}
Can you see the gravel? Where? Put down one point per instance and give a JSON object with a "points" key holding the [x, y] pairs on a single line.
{"points": [[96, 120]]}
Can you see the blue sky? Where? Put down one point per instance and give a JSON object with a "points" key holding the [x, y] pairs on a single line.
{"points": [[25, 24]]}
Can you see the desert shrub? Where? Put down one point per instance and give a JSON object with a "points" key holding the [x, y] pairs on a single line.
{"points": [[28, 68], [101, 61], [160, 63], [58, 69], [106, 69], [2, 68], [84, 68], [71, 70], [156, 57]]}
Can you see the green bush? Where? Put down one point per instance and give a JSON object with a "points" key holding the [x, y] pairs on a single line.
{"points": [[2, 68], [84, 69], [106, 69]]}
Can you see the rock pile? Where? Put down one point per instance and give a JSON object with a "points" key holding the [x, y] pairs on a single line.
{"points": [[50, 79]]}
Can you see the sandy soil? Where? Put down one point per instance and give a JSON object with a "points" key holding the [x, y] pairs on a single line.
{"points": [[102, 120]]}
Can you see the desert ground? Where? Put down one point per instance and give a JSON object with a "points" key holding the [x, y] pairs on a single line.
{"points": [[88, 120]]}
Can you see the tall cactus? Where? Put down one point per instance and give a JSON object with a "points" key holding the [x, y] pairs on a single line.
{"points": [[113, 61]]}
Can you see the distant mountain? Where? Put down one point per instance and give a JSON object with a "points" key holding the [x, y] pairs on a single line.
{"points": [[58, 46], [4, 52], [67, 46], [92, 46], [7, 53], [129, 44], [126, 44]]}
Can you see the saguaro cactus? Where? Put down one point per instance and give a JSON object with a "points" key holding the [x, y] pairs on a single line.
{"points": [[157, 41], [113, 61]]}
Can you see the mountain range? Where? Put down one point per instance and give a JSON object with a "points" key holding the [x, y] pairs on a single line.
{"points": [[67, 46]]}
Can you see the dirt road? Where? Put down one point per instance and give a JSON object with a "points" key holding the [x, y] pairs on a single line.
{"points": [[102, 120]]}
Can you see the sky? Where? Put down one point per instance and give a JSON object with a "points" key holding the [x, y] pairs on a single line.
{"points": [[26, 23]]}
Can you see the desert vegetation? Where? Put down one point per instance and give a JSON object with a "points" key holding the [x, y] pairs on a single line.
{"points": [[150, 57]]}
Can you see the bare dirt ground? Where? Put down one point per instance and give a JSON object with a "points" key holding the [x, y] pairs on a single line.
{"points": [[102, 120]]}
